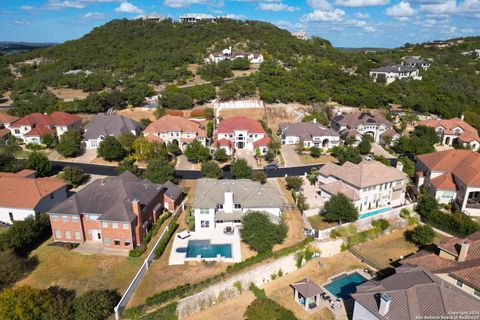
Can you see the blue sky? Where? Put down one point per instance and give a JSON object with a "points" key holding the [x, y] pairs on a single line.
{"points": [[348, 23]]}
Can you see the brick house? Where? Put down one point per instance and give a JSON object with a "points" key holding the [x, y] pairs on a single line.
{"points": [[116, 211]]}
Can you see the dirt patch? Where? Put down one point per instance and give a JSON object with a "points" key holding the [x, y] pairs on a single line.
{"points": [[137, 114], [5, 100], [68, 94], [294, 221], [252, 113], [307, 159], [279, 113]]}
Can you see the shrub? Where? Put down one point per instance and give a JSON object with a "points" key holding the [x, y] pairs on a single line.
{"points": [[345, 231], [238, 286], [294, 182], [138, 251], [422, 235], [14, 267], [315, 152], [381, 224], [110, 149], [35, 147], [166, 238], [48, 140], [96, 304], [259, 293], [260, 233], [267, 309], [340, 208], [221, 155], [259, 176], [24, 236]]}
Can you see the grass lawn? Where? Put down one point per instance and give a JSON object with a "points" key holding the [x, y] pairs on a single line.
{"points": [[58, 266], [307, 159], [318, 223]]}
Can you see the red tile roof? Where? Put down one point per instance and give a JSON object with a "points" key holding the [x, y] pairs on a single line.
{"points": [[4, 132], [6, 118], [239, 123], [153, 138], [224, 142], [170, 123], [444, 182], [262, 142], [449, 125], [59, 118], [38, 131]]}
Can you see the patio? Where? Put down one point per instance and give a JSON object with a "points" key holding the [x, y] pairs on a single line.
{"points": [[96, 247]]}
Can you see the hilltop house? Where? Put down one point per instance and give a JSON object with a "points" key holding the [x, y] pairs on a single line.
{"points": [[224, 202], [416, 62], [104, 125], [176, 130], [395, 72], [153, 17], [23, 195], [5, 121], [361, 123], [311, 133], [241, 133], [195, 17], [31, 127], [456, 260], [302, 35], [369, 184], [411, 293], [451, 176], [229, 54], [116, 212], [454, 130]]}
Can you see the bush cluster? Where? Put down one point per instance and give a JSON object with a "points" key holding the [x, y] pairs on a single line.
{"points": [[166, 238], [138, 251]]}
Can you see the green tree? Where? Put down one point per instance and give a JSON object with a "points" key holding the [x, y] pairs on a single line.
{"points": [[315, 152], [25, 303], [48, 140], [267, 309], [364, 147], [427, 205], [96, 304], [259, 176], [408, 167], [127, 140], [110, 149], [221, 155], [210, 129], [260, 233], [241, 64], [339, 208], [196, 152], [143, 150], [69, 144], [159, 112], [210, 169], [14, 267], [173, 149], [128, 164], [294, 182], [39, 162], [302, 203], [346, 153], [159, 170], [24, 236], [241, 169], [73, 176], [421, 234]]}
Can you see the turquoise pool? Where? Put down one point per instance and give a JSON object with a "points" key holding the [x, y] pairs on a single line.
{"points": [[373, 213], [206, 250], [344, 285]]}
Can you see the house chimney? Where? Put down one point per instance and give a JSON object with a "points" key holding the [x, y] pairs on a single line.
{"points": [[228, 205], [314, 120], [399, 165], [462, 117], [385, 300], [462, 256], [137, 210]]}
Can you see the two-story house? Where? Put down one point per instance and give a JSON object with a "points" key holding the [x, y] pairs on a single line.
{"points": [[395, 72], [23, 195], [220, 203], [230, 54], [454, 130], [241, 133], [361, 123], [416, 61], [5, 121], [311, 133], [31, 127], [103, 125], [116, 212], [369, 184], [451, 176], [177, 130]]}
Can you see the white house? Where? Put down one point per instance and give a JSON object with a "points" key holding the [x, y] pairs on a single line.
{"points": [[23, 195], [452, 176], [220, 203], [302, 35], [195, 17], [229, 54], [395, 72], [311, 133], [416, 61], [369, 184]]}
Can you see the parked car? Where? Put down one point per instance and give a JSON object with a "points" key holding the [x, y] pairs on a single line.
{"points": [[270, 166]]}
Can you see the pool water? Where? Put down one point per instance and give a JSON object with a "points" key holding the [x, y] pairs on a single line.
{"points": [[344, 285], [207, 250], [373, 213]]}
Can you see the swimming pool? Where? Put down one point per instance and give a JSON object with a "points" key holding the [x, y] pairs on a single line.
{"points": [[344, 285], [206, 250], [373, 213]]}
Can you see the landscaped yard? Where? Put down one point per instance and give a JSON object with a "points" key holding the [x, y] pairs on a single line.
{"points": [[60, 267], [318, 223], [307, 159]]}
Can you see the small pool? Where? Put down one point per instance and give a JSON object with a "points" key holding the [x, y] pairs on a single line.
{"points": [[373, 213], [344, 285], [207, 250]]}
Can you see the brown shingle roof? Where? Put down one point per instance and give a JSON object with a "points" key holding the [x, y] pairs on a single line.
{"points": [[340, 187]]}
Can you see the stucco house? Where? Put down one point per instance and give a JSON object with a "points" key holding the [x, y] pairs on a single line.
{"points": [[23, 195], [416, 61], [220, 203], [311, 133], [103, 125], [241, 133], [5, 121], [456, 260], [454, 130], [451, 176], [171, 129], [395, 72], [195, 17], [369, 184], [230, 54], [116, 212], [361, 123], [31, 127], [411, 293]]}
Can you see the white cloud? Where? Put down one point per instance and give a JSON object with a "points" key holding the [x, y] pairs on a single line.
{"points": [[93, 16], [126, 7], [26, 8], [276, 7], [56, 4], [186, 3], [320, 5], [447, 7], [22, 22], [322, 16], [362, 15], [401, 11], [369, 29], [467, 30], [235, 16], [361, 3]]}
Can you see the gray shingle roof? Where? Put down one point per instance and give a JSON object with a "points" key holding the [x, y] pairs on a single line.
{"points": [[306, 130], [105, 125], [172, 190], [395, 68], [111, 198], [415, 293], [307, 288], [353, 120]]}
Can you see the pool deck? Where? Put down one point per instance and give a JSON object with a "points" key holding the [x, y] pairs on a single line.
{"points": [[215, 237]]}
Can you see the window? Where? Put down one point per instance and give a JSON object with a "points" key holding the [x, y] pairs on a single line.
{"points": [[237, 205], [58, 234], [68, 235], [106, 241], [51, 196], [17, 131], [115, 225], [74, 218], [126, 226], [219, 206], [116, 242], [93, 217], [205, 224], [459, 283], [77, 236], [476, 292], [104, 224], [64, 218], [204, 211], [127, 242], [54, 217]]}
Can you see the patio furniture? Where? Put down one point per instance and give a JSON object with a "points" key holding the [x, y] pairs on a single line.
{"points": [[184, 234], [229, 230]]}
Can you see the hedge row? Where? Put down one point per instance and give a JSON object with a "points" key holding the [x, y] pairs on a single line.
{"points": [[166, 238], [457, 223], [138, 251]]}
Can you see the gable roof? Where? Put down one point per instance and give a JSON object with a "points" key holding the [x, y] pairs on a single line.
{"points": [[17, 190], [307, 288], [6, 118], [111, 198], [306, 130], [415, 293], [170, 123], [240, 123], [172, 191], [38, 131], [353, 120], [61, 118], [109, 125], [340, 187]]}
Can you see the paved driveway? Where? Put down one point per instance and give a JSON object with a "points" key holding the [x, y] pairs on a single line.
{"points": [[290, 156], [183, 164], [247, 155], [379, 151], [311, 194]]}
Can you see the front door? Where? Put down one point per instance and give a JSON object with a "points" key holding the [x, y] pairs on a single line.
{"points": [[240, 145], [96, 235]]}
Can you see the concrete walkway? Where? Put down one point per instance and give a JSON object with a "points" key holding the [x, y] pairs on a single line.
{"points": [[380, 151], [183, 164], [290, 156]]}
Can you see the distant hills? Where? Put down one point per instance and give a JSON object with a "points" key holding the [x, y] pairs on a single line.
{"points": [[9, 47]]}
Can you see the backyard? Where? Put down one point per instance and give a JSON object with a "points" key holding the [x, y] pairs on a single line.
{"points": [[318, 223]]}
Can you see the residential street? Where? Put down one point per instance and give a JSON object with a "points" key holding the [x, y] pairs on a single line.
{"points": [[290, 156]]}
